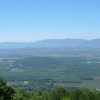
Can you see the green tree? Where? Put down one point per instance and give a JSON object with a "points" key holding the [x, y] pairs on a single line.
{"points": [[58, 94], [22, 95], [82, 94], [6, 92]]}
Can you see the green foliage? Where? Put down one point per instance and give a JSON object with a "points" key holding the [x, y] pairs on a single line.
{"points": [[22, 95], [57, 94], [40, 96], [66, 98], [79, 94], [6, 92]]}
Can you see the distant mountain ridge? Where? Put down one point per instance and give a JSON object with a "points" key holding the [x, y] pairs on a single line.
{"points": [[57, 43]]}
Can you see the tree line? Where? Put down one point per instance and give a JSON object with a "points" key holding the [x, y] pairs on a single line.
{"points": [[9, 93]]}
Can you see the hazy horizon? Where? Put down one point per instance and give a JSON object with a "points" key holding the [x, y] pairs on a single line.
{"points": [[29, 21], [46, 39]]}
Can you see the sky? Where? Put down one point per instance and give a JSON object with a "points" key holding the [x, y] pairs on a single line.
{"points": [[33, 20]]}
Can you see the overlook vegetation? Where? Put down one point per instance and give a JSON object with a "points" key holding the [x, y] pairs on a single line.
{"points": [[9, 93]]}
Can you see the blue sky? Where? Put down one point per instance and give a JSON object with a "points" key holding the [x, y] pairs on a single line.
{"points": [[33, 20]]}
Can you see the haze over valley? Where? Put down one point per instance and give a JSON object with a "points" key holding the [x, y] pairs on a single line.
{"points": [[51, 47]]}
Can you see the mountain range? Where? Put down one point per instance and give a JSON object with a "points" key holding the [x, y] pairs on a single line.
{"points": [[53, 43], [51, 47]]}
